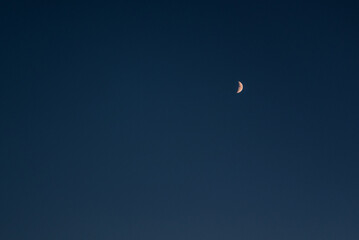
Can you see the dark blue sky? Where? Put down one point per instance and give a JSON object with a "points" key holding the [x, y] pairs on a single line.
{"points": [[120, 120]]}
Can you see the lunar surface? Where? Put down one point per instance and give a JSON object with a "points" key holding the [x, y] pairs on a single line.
{"points": [[240, 87]]}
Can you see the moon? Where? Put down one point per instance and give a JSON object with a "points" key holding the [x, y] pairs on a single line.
{"points": [[240, 87]]}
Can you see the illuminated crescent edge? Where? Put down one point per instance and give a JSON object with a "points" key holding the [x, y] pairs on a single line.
{"points": [[240, 87]]}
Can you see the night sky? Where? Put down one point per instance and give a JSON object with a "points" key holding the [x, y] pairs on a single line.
{"points": [[121, 120]]}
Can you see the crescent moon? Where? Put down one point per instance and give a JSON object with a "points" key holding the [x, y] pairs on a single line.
{"points": [[240, 87]]}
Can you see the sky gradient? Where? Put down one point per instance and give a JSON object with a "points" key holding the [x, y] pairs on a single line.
{"points": [[121, 120]]}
